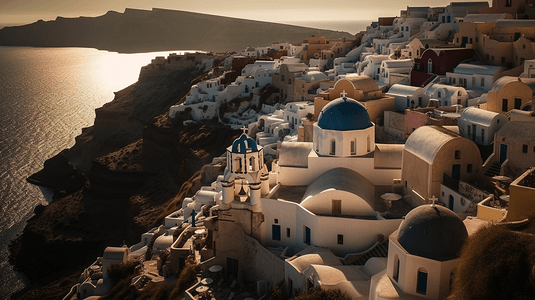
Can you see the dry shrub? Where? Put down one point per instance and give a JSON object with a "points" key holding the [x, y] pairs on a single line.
{"points": [[120, 271], [154, 292], [496, 263], [317, 293], [120, 289], [187, 278]]}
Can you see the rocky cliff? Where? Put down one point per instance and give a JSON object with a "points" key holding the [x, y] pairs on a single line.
{"points": [[157, 30], [125, 173]]}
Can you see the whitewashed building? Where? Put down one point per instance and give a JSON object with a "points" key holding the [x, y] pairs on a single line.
{"points": [[474, 77], [422, 256], [408, 96], [447, 95], [480, 125]]}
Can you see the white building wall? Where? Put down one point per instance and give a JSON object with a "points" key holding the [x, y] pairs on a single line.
{"points": [[438, 273], [364, 141], [457, 203], [324, 230], [285, 213], [295, 176]]}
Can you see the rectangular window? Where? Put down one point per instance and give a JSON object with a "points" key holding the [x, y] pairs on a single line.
{"points": [[340, 239], [482, 81], [306, 238], [505, 105], [457, 154], [421, 285], [524, 148], [518, 103], [333, 147], [288, 232], [337, 207], [503, 59], [469, 168], [352, 148], [396, 268], [276, 232]]}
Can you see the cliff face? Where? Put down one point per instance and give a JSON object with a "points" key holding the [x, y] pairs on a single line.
{"points": [[157, 30], [121, 178]]}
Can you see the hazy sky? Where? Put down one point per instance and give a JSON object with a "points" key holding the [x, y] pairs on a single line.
{"points": [[284, 11]]}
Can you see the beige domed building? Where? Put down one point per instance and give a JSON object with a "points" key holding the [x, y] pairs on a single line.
{"points": [[361, 88]]}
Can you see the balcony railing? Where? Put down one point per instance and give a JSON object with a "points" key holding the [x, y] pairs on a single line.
{"points": [[450, 182]]}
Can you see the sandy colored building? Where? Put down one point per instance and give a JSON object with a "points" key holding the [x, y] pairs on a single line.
{"points": [[284, 80], [520, 9], [430, 153], [522, 196], [509, 93], [361, 88], [514, 148]]}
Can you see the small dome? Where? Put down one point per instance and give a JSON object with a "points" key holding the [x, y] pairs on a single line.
{"points": [[344, 114], [244, 144], [432, 231]]}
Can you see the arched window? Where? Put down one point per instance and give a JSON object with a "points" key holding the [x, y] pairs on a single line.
{"points": [[421, 281], [395, 271], [251, 163], [333, 147], [353, 147], [238, 165], [430, 66]]}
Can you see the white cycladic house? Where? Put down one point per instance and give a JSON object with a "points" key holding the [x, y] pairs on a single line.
{"points": [[408, 96], [474, 77], [394, 71], [447, 95], [480, 125]]}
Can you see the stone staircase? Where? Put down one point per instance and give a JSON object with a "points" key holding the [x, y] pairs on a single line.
{"points": [[494, 169]]}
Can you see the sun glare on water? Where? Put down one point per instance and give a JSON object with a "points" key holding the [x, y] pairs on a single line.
{"points": [[121, 70]]}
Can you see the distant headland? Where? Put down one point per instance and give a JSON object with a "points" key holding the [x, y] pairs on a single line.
{"points": [[157, 30]]}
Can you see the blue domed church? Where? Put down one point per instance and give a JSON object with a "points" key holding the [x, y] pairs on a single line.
{"points": [[343, 137], [344, 129]]}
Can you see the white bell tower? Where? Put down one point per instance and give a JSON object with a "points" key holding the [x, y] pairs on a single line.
{"points": [[246, 177]]}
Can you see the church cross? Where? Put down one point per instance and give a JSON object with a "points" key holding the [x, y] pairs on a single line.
{"points": [[434, 199], [244, 129], [343, 93]]}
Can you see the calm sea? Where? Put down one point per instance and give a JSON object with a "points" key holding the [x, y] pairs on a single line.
{"points": [[47, 95]]}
